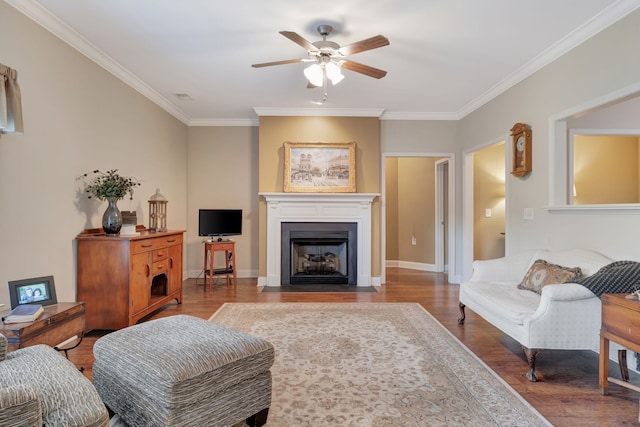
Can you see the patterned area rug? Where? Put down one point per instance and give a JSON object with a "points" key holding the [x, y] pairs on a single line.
{"points": [[374, 364]]}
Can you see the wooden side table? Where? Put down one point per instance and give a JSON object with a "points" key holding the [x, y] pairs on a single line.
{"points": [[210, 249], [58, 324], [620, 324]]}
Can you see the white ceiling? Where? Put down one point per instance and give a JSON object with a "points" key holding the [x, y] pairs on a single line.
{"points": [[445, 59]]}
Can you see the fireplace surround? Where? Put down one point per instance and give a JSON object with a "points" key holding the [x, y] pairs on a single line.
{"points": [[317, 208]]}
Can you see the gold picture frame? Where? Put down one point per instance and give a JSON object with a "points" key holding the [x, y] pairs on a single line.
{"points": [[321, 167]]}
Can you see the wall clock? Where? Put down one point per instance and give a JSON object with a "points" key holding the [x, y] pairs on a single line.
{"points": [[521, 150]]}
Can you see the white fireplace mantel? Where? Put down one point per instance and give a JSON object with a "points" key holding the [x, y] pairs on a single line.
{"points": [[318, 207]]}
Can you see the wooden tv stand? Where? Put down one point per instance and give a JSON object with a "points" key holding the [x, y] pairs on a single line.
{"points": [[124, 278]]}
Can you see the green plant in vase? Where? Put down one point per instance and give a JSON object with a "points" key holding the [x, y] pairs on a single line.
{"points": [[109, 186]]}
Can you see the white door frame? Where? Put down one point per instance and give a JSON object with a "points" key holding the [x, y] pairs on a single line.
{"points": [[441, 168], [449, 158]]}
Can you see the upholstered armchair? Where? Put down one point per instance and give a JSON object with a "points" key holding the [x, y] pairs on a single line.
{"points": [[38, 386]]}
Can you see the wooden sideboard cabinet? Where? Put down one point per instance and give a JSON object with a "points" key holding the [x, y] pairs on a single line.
{"points": [[123, 279]]}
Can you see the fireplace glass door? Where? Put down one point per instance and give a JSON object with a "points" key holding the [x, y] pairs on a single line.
{"points": [[319, 253]]}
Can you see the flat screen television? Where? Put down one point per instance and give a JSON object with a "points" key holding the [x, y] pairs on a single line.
{"points": [[220, 222]]}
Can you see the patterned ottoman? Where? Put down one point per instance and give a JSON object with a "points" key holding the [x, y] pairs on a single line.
{"points": [[184, 371]]}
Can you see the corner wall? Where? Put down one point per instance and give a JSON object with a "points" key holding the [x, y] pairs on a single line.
{"points": [[77, 118]]}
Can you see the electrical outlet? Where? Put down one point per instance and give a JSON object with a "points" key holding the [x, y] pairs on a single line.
{"points": [[414, 241]]}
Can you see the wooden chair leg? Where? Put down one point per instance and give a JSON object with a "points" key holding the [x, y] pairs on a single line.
{"points": [[259, 419]]}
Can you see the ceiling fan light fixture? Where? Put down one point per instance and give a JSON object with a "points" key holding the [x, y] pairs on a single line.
{"points": [[314, 74], [333, 73]]}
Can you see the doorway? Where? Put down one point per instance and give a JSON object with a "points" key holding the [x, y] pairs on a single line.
{"points": [[484, 204], [417, 217]]}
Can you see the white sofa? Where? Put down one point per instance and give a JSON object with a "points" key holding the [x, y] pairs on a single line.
{"points": [[563, 317]]}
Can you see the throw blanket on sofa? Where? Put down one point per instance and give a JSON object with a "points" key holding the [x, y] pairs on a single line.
{"points": [[619, 277]]}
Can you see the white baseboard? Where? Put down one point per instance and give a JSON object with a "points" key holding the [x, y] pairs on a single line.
{"points": [[411, 265]]}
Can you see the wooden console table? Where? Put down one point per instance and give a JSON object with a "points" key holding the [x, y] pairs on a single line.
{"points": [[620, 324], [58, 324], [210, 248]]}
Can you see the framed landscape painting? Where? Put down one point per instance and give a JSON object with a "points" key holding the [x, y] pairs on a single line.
{"points": [[320, 167]]}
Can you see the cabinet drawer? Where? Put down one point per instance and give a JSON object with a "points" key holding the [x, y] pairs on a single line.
{"points": [[159, 267], [145, 245], [221, 246], [621, 321], [160, 254]]}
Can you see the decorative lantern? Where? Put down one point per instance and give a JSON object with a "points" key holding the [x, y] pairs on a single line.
{"points": [[157, 212]]}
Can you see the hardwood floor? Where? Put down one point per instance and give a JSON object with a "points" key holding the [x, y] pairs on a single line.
{"points": [[567, 394]]}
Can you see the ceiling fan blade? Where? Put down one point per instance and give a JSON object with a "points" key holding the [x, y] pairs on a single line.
{"points": [[367, 44], [363, 69], [286, 61], [296, 38]]}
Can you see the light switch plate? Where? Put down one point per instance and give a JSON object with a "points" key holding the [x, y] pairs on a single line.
{"points": [[528, 214]]}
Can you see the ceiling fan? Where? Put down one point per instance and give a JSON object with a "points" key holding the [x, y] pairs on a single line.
{"points": [[328, 57]]}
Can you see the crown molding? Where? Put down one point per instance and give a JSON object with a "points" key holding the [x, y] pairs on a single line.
{"points": [[420, 116], [319, 112], [604, 19], [51, 23], [223, 122]]}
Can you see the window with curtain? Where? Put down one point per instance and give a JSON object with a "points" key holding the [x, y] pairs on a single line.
{"points": [[10, 102]]}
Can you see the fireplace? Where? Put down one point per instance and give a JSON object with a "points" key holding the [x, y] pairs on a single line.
{"points": [[319, 253], [333, 208]]}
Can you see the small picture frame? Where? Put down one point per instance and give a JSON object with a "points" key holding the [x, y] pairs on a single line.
{"points": [[322, 167], [38, 290]]}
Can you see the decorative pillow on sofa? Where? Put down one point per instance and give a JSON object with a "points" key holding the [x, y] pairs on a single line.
{"points": [[542, 273]]}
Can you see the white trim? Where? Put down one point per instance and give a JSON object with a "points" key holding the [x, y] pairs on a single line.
{"points": [[468, 201], [413, 265], [622, 209], [439, 213], [559, 153], [420, 116], [51, 23], [319, 112], [319, 207], [223, 122], [604, 19]]}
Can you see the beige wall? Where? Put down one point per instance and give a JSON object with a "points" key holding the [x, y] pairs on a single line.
{"points": [[365, 131], [391, 209], [410, 198], [597, 68], [77, 117], [222, 174], [489, 193], [606, 169]]}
